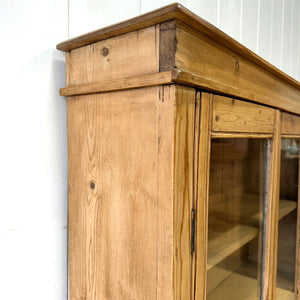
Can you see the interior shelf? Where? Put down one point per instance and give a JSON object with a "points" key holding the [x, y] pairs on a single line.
{"points": [[222, 245], [244, 280], [226, 237]]}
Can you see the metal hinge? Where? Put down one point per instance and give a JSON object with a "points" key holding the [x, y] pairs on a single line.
{"points": [[192, 231]]}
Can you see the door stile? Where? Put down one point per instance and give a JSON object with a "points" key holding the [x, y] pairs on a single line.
{"points": [[195, 188], [297, 264], [269, 263], [202, 196]]}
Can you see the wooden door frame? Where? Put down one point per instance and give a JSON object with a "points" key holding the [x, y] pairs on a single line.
{"points": [[268, 286]]}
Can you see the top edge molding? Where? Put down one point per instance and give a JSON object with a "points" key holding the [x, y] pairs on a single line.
{"points": [[178, 12]]}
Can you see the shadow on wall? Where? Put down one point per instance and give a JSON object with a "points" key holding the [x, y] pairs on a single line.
{"points": [[33, 217]]}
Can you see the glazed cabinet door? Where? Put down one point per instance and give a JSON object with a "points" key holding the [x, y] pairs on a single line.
{"points": [[238, 200], [287, 282], [236, 221]]}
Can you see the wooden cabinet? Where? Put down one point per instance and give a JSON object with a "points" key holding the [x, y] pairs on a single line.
{"points": [[183, 151]]}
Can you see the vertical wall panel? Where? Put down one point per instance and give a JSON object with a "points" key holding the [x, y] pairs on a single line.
{"points": [[148, 5], [276, 35], [287, 36], [88, 15], [249, 24], [229, 22], [205, 9], [295, 39], [265, 29]]}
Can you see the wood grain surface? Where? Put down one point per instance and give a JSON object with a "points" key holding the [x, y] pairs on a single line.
{"points": [[183, 190], [202, 197], [218, 68], [121, 149], [290, 124], [297, 264], [178, 12], [230, 115], [118, 84], [132, 54], [207, 57], [272, 217]]}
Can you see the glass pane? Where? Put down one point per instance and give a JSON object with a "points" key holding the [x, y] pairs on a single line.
{"points": [[287, 218], [235, 218]]}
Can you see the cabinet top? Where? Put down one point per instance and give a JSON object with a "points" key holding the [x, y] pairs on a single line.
{"points": [[174, 11]]}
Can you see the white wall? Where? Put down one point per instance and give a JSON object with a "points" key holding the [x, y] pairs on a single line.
{"points": [[33, 160]]}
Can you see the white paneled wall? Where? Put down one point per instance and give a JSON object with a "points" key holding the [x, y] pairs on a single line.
{"points": [[89, 15], [265, 17], [230, 9], [33, 160]]}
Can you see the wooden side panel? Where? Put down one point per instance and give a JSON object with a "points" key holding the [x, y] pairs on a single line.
{"points": [[121, 151], [183, 190], [239, 116], [290, 124], [216, 68], [203, 191], [132, 54], [165, 182]]}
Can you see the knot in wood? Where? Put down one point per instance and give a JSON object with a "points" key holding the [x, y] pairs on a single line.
{"points": [[105, 51]]}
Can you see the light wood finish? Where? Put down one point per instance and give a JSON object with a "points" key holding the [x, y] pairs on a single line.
{"points": [[270, 248], [297, 264], [197, 131], [285, 207], [290, 124], [225, 244], [120, 233], [223, 270], [225, 66], [118, 84], [237, 235], [240, 116], [229, 84], [260, 94], [170, 12], [183, 189], [243, 135], [140, 123], [291, 136], [238, 76], [165, 110], [129, 55], [202, 201], [241, 285], [143, 21]]}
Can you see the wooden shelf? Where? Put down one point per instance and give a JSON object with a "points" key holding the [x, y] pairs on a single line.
{"points": [[242, 284], [226, 237], [223, 245], [285, 207]]}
